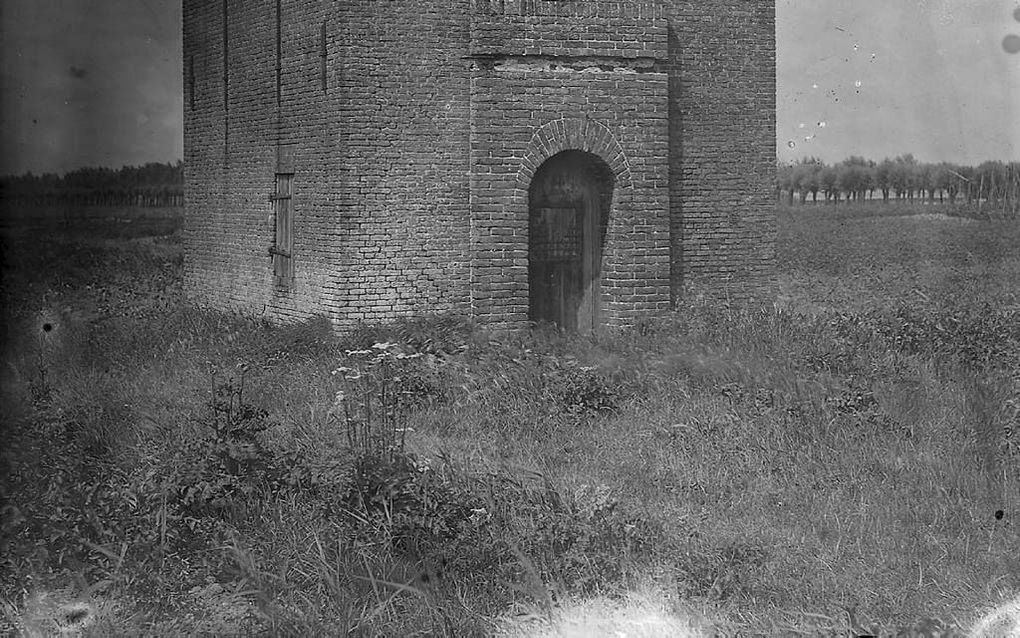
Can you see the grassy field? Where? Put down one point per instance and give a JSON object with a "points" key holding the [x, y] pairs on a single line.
{"points": [[845, 460]]}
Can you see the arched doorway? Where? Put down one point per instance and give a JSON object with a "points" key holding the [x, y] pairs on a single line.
{"points": [[568, 210]]}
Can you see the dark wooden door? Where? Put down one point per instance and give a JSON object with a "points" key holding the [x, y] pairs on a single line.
{"points": [[556, 263], [283, 243], [568, 210]]}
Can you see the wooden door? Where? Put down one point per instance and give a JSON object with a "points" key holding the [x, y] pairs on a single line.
{"points": [[283, 240], [556, 265]]}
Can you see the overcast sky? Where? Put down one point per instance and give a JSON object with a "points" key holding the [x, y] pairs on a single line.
{"points": [[883, 77], [98, 82], [89, 82]]}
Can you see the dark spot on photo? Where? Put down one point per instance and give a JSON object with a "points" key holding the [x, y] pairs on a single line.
{"points": [[1011, 43]]}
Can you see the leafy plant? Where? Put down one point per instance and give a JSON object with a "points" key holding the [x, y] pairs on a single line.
{"points": [[228, 462], [581, 390], [377, 388]]}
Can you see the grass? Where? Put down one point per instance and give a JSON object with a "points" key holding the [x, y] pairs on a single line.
{"points": [[845, 460]]}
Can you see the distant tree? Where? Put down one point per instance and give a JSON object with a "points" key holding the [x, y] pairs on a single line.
{"points": [[1012, 192], [883, 177], [992, 181], [967, 182], [903, 178], [153, 184], [809, 178], [785, 182], [845, 180], [946, 183], [829, 178], [925, 174], [855, 177], [868, 179]]}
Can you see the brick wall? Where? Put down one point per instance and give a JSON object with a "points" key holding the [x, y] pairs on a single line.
{"points": [[411, 165], [722, 154], [545, 83], [402, 173], [379, 157], [626, 30]]}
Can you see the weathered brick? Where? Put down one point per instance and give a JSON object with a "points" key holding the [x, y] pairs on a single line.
{"points": [[413, 143]]}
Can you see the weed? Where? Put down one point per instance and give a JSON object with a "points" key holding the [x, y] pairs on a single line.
{"points": [[377, 386], [852, 448], [227, 464], [581, 390]]}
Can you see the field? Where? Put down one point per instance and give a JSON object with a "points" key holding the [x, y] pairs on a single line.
{"points": [[845, 461]]}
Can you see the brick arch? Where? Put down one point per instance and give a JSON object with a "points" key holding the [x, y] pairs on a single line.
{"points": [[575, 134]]}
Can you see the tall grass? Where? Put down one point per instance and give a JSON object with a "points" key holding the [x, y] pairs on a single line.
{"points": [[780, 469]]}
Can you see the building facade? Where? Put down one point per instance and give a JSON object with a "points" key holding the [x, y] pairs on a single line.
{"points": [[576, 161]]}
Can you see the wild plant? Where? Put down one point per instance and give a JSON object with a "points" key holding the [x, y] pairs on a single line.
{"points": [[387, 489], [376, 385], [228, 462]]}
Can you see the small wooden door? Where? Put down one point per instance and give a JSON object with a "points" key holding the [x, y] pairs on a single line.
{"points": [[568, 211], [556, 240], [283, 240], [561, 266]]}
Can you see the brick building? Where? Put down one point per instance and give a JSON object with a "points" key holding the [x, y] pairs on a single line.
{"points": [[579, 161]]}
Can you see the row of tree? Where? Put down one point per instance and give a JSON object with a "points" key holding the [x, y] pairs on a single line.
{"points": [[855, 178], [152, 184]]}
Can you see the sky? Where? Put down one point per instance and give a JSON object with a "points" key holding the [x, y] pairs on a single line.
{"points": [[879, 78], [99, 82], [89, 83]]}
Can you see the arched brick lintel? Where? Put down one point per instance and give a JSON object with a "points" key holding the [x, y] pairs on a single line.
{"points": [[571, 134]]}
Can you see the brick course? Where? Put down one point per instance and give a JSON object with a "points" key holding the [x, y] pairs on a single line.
{"points": [[414, 139]]}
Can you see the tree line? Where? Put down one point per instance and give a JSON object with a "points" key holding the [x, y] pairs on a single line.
{"points": [[855, 179], [152, 184]]}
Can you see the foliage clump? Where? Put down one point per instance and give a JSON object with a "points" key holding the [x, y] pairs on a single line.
{"points": [[227, 462]]}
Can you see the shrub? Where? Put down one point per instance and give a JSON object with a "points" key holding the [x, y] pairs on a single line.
{"points": [[377, 387], [979, 335], [386, 493], [580, 390], [408, 504], [67, 509], [228, 462]]}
